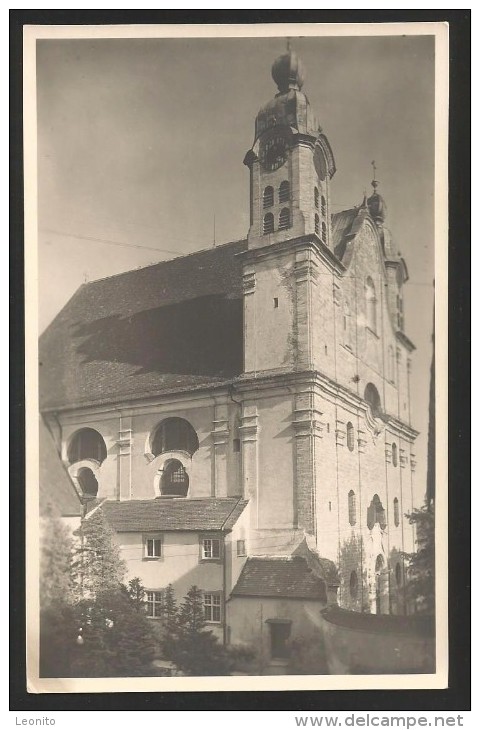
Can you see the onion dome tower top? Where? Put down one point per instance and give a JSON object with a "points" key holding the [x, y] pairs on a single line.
{"points": [[288, 71], [376, 204], [290, 106]]}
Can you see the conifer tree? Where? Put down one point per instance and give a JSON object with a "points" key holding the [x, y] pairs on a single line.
{"points": [[421, 564], [97, 566]]}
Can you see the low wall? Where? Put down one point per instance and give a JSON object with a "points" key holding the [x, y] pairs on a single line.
{"points": [[358, 643]]}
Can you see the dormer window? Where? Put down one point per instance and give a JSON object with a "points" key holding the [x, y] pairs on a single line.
{"points": [[268, 224], [284, 192], [284, 219], [268, 197]]}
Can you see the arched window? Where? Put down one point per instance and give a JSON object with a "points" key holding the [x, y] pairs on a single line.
{"points": [[268, 197], [396, 512], [350, 436], [352, 508], [317, 224], [324, 233], [87, 444], [372, 397], [284, 219], [398, 574], [353, 584], [268, 223], [376, 513], [284, 192], [324, 207], [174, 434], [371, 304], [174, 481], [316, 197], [88, 482], [394, 454]]}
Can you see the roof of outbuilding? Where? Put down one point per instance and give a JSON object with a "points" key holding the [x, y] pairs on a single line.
{"points": [[57, 492], [279, 577], [177, 514], [146, 331]]}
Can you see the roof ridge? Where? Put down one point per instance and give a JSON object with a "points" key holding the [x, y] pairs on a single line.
{"points": [[159, 263]]}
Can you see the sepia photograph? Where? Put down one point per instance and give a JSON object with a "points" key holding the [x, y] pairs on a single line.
{"points": [[236, 251]]}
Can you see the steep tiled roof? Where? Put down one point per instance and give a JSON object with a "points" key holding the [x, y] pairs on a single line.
{"points": [[57, 492], [276, 577], [150, 515], [146, 331]]}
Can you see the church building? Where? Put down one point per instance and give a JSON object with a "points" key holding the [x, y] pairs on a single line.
{"points": [[242, 414]]}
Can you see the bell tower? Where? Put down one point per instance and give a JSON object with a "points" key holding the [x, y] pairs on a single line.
{"points": [[291, 164]]}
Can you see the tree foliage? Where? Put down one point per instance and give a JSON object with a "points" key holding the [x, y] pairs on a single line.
{"points": [[117, 638], [96, 566], [421, 564], [189, 644]]}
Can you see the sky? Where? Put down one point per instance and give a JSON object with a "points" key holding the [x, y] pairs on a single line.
{"points": [[141, 145]]}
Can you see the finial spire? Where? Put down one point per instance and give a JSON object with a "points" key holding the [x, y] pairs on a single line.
{"points": [[375, 182]]}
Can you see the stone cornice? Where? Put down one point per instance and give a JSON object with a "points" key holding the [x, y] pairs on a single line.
{"points": [[311, 241]]}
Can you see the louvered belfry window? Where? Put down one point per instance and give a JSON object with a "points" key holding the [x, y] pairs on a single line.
{"points": [[284, 219], [284, 192], [317, 224], [268, 224], [268, 197]]}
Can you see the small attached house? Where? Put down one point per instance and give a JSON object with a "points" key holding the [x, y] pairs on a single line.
{"points": [[183, 543]]}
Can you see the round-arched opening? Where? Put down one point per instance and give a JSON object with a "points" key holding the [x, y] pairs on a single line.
{"points": [[394, 454], [353, 584], [284, 219], [396, 512], [284, 192], [350, 436], [174, 434], [268, 197], [379, 563], [88, 482], [87, 444], [352, 508], [372, 397], [174, 481], [268, 223]]}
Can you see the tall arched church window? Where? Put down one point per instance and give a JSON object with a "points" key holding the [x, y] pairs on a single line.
{"points": [[268, 223], [284, 219], [396, 512], [174, 434], [316, 197], [394, 454], [350, 436], [174, 481], [352, 508], [324, 233], [268, 197], [372, 397], [371, 304], [317, 224], [284, 192], [324, 207], [87, 444]]}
